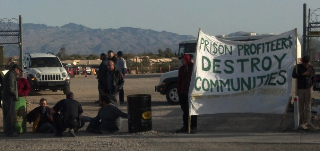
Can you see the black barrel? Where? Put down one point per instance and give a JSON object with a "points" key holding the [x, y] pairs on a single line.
{"points": [[139, 111]]}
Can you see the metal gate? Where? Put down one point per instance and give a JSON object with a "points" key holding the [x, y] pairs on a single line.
{"points": [[10, 41], [311, 39]]}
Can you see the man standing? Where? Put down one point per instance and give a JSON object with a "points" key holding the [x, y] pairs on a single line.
{"points": [[111, 83], [184, 78], [10, 95], [122, 67], [112, 57], [101, 72], [42, 118], [70, 114], [305, 75]]}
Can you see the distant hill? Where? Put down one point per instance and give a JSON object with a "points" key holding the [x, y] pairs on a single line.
{"points": [[78, 39]]}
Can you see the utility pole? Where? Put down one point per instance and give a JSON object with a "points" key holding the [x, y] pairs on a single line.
{"points": [[304, 36]]}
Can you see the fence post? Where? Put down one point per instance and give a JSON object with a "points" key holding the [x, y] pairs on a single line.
{"points": [[296, 112]]}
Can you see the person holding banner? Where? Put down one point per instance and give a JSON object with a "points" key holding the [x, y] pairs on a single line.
{"points": [[305, 74], [184, 78]]}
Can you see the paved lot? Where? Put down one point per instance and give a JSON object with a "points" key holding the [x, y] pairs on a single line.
{"points": [[215, 132]]}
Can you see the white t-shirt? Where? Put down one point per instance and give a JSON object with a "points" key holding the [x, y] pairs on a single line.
{"points": [[121, 66]]}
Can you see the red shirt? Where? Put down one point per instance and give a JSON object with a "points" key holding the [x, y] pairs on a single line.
{"points": [[184, 78], [23, 87]]}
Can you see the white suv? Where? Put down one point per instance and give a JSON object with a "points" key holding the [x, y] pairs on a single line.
{"points": [[45, 72]]}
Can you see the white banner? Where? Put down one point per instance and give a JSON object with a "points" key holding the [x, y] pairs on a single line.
{"points": [[242, 76]]}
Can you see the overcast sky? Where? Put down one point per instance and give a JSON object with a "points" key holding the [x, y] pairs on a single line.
{"points": [[184, 17]]}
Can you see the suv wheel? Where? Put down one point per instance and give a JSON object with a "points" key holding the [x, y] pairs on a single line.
{"points": [[66, 89], [172, 94]]}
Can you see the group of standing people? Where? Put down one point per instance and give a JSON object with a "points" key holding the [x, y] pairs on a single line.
{"points": [[110, 76]]}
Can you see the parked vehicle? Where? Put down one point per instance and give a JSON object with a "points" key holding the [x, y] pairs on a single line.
{"points": [[45, 72], [88, 70]]}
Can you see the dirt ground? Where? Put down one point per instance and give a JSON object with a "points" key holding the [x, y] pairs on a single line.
{"points": [[165, 120]]}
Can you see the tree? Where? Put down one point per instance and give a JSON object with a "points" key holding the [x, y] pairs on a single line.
{"points": [[62, 54], [93, 57], [160, 53], [76, 56], [168, 53], [145, 62]]}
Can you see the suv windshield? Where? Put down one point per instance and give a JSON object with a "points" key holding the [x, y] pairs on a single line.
{"points": [[189, 48], [45, 62]]}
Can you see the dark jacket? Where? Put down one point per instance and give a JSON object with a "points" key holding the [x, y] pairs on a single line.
{"points": [[69, 109], [114, 59], [102, 68], [304, 81], [184, 78], [117, 82], [10, 87], [33, 115]]}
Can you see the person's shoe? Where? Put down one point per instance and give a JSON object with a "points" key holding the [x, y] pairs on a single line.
{"points": [[12, 134], [58, 134], [303, 126], [193, 130], [72, 133], [182, 130], [312, 127]]}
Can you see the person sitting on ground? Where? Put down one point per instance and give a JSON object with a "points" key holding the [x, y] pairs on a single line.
{"points": [[105, 121], [69, 117], [42, 118]]}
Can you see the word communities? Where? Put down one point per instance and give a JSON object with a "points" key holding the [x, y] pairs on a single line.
{"points": [[240, 84]]}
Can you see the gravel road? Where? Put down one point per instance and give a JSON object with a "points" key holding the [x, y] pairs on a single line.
{"points": [[165, 120]]}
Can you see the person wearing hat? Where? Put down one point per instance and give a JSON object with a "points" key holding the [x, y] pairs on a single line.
{"points": [[184, 78], [122, 67], [10, 95], [112, 57]]}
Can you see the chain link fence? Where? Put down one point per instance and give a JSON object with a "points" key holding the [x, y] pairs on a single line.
{"points": [[314, 43], [10, 41]]}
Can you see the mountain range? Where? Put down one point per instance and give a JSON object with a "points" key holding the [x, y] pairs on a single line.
{"points": [[78, 39]]}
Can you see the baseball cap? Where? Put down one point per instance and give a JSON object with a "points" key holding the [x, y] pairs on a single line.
{"points": [[16, 66]]}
